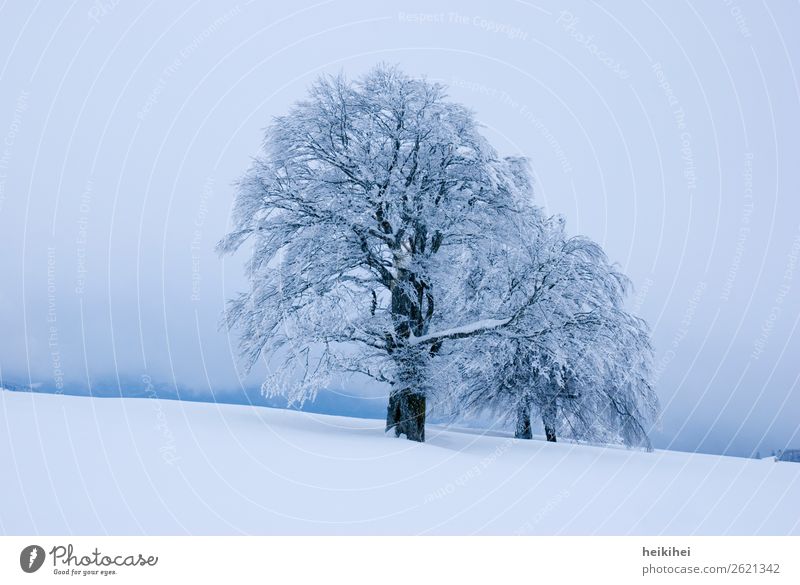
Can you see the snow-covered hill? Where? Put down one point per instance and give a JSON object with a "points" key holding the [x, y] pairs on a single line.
{"points": [[131, 466]]}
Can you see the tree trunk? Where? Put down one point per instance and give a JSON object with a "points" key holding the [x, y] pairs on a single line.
{"points": [[523, 430], [406, 414], [407, 404], [549, 420]]}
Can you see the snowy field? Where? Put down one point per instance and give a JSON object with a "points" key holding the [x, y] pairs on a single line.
{"points": [[132, 466]]}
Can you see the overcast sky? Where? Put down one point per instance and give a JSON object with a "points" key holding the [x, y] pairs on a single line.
{"points": [[668, 132]]}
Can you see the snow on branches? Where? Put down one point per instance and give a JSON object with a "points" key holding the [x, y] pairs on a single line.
{"points": [[388, 238]]}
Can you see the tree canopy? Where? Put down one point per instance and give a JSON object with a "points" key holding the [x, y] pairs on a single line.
{"points": [[388, 238]]}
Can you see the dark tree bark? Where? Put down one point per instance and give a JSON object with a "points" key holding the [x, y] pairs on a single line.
{"points": [[407, 403], [406, 414], [523, 429], [549, 420]]}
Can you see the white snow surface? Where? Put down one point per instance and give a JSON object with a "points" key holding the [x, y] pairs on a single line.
{"points": [[74, 465]]}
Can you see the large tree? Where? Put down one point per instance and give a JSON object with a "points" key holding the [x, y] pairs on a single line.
{"points": [[388, 238], [363, 211]]}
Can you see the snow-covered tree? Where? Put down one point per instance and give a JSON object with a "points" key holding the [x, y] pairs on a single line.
{"points": [[388, 238], [362, 211], [601, 392], [574, 356], [615, 401]]}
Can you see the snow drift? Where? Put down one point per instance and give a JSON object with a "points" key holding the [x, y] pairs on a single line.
{"points": [[147, 466]]}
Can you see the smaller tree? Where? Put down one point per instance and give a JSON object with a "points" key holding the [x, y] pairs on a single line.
{"points": [[572, 356], [603, 394]]}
